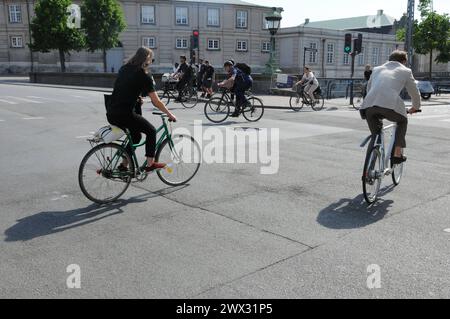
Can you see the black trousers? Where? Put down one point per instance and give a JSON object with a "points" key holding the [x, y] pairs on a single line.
{"points": [[136, 124], [375, 116]]}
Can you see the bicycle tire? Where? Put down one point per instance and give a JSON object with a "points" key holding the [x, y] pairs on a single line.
{"points": [[102, 172], [164, 97], [174, 160], [319, 103], [358, 100], [190, 98], [250, 112], [217, 114], [294, 102], [373, 157]]}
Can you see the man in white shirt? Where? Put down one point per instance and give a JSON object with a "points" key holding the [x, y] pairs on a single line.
{"points": [[383, 99]]}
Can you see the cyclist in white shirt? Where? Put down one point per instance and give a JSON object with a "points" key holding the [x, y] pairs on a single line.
{"points": [[310, 78]]}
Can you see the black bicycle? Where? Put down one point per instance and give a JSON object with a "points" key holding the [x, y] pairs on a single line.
{"points": [[300, 99], [189, 95], [218, 109]]}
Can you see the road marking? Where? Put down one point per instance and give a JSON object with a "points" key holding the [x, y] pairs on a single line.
{"points": [[86, 136], [24, 100], [447, 230], [447, 120], [427, 117], [44, 98], [2, 120], [8, 102], [33, 118]]}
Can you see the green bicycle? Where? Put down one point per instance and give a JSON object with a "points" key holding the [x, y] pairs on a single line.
{"points": [[103, 181]]}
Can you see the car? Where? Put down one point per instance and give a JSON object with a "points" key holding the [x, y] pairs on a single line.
{"points": [[426, 89]]}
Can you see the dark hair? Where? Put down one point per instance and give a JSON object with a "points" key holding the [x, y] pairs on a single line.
{"points": [[398, 56], [228, 63], [140, 58], [183, 57]]}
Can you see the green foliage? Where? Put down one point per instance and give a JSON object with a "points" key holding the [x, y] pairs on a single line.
{"points": [[49, 28], [102, 21]]}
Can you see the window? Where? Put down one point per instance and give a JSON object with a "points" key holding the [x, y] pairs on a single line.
{"points": [[388, 53], [241, 19], [361, 57], [375, 56], [149, 42], [313, 54], [148, 15], [15, 13], [16, 42], [265, 23], [266, 46], [346, 59], [181, 14], [242, 46], [213, 44], [181, 43], [213, 17], [330, 53]]}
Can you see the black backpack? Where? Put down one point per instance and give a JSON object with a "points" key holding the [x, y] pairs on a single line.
{"points": [[244, 68]]}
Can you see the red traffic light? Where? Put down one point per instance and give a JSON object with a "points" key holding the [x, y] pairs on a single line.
{"points": [[196, 33]]}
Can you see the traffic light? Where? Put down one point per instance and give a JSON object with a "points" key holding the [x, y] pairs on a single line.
{"points": [[358, 44], [195, 39], [348, 43]]}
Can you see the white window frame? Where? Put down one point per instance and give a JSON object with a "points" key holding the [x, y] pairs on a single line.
{"points": [[181, 43], [331, 48], [146, 42], [241, 20], [265, 46], [313, 55], [242, 45], [181, 15], [148, 19], [346, 59], [212, 22], [215, 44], [388, 52], [265, 22], [375, 56], [362, 57], [14, 43], [15, 13]]}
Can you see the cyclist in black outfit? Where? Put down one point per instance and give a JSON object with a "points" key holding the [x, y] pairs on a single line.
{"points": [[183, 74], [124, 109]]}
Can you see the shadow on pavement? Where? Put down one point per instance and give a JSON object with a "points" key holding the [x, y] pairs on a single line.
{"points": [[48, 223], [355, 213]]}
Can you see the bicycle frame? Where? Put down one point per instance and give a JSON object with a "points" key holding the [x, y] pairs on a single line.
{"points": [[379, 140]]}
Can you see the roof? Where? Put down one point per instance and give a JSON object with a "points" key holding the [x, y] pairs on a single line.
{"points": [[231, 2], [363, 22]]}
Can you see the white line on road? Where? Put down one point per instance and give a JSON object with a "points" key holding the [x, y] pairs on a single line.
{"points": [[44, 98], [86, 136], [33, 118], [24, 100], [447, 120], [7, 102]]}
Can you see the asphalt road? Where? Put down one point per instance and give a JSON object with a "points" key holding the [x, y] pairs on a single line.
{"points": [[303, 232]]}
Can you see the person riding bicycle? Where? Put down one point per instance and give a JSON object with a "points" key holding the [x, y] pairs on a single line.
{"points": [[184, 75], [383, 99], [239, 82], [208, 80], [311, 80], [122, 111]]}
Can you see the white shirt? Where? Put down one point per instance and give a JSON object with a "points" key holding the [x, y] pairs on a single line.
{"points": [[307, 78], [385, 85]]}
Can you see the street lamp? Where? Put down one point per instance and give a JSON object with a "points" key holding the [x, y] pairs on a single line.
{"points": [[273, 25]]}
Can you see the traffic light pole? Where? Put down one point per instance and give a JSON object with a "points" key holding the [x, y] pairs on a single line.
{"points": [[353, 55]]}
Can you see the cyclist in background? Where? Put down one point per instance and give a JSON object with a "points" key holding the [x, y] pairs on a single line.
{"points": [[311, 80], [208, 80], [183, 75], [383, 99]]}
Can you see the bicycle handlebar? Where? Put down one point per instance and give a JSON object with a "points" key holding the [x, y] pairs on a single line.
{"points": [[162, 115]]}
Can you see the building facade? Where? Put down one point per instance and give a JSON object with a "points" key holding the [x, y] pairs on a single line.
{"points": [[228, 29]]}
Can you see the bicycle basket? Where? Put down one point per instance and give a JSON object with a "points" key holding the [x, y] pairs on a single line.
{"points": [[109, 134]]}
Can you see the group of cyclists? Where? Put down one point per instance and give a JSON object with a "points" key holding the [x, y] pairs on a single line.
{"points": [[382, 100]]}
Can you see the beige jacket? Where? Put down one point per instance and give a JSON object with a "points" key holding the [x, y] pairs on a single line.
{"points": [[385, 85]]}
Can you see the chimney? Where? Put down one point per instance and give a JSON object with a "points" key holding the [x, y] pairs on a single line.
{"points": [[380, 12], [306, 21]]}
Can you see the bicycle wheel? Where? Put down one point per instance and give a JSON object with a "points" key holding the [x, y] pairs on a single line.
{"points": [[296, 102], [318, 103], [164, 97], [254, 111], [183, 158], [358, 99], [397, 171], [99, 177], [372, 175], [217, 110], [190, 98]]}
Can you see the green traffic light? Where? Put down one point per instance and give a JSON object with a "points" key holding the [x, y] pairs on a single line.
{"points": [[347, 49]]}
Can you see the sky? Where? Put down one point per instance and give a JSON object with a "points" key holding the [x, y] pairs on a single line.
{"points": [[296, 11]]}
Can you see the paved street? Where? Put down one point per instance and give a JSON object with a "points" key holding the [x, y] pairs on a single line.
{"points": [[304, 232]]}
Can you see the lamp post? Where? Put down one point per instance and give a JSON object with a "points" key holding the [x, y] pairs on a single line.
{"points": [[273, 25]]}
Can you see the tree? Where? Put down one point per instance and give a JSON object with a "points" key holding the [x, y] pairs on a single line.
{"points": [[431, 34], [102, 22], [50, 30]]}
